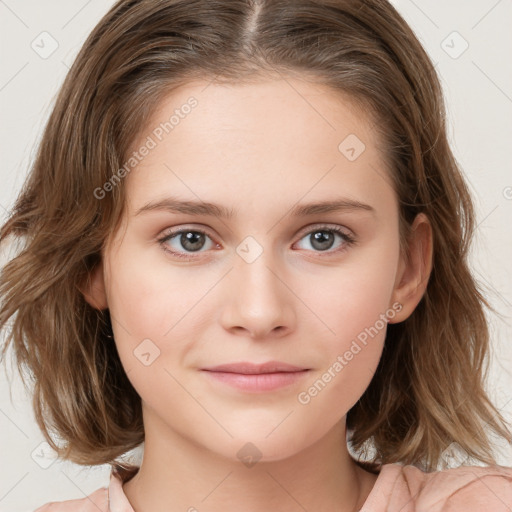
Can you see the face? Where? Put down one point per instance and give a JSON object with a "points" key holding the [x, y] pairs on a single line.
{"points": [[223, 258]]}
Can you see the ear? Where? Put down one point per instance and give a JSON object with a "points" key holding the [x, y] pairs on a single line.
{"points": [[94, 288], [414, 269]]}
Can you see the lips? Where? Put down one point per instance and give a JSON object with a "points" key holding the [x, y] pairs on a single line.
{"points": [[247, 368], [256, 378]]}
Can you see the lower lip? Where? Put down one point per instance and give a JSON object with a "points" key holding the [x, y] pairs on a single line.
{"points": [[258, 382]]}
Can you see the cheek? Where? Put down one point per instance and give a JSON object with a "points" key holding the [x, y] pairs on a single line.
{"points": [[353, 307], [351, 350], [157, 309], [149, 293], [172, 306], [355, 294]]}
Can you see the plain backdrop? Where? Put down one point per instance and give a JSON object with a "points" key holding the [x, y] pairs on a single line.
{"points": [[470, 42]]}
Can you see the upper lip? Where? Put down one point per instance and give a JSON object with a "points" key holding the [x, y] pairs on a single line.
{"points": [[252, 369]]}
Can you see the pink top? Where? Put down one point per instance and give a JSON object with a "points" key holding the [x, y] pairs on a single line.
{"points": [[397, 488]]}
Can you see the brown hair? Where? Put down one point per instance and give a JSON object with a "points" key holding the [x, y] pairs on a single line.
{"points": [[428, 389]]}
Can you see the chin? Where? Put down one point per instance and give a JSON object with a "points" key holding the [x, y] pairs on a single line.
{"points": [[256, 446]]}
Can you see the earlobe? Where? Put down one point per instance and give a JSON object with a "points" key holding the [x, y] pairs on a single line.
{"points": [[414, 272], [94, 288]]}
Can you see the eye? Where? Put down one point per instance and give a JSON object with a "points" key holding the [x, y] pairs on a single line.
{"points": [[185, 241], [322, 238]]}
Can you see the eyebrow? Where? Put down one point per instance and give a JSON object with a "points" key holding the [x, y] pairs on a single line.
{"points": [[175, 205]]}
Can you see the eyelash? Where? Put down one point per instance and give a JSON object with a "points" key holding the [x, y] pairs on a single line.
{"points": [[348, 240]]}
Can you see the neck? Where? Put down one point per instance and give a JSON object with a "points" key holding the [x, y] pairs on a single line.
{"points": [[177, 474]]}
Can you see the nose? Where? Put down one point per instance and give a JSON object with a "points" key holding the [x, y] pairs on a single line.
{"points": [[257, 301]]}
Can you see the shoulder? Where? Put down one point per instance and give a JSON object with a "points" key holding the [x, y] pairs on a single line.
{"points": [[95, 502], [474, 488]]}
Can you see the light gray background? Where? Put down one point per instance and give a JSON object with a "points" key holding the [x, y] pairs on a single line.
{"points": [[478, 89]]}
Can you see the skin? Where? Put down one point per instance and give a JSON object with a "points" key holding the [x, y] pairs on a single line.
{"points": [[258, 149]]}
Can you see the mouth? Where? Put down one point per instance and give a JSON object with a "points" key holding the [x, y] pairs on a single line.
{"points": [[247, 368], [252, 377]]}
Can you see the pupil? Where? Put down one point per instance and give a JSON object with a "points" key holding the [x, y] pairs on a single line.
{"points": [[322, 240], [190, 240], [193, 241]]}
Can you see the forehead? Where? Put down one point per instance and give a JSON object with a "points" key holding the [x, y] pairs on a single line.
{"points": [[269, 137], [261, 109]]}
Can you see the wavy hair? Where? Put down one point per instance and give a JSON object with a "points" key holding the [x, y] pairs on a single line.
{"points": [[429, 388]]}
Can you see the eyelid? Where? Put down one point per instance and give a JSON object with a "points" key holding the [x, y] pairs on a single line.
{"points": [[346, 234], [300, 234], [306, 230], [186, 227]]}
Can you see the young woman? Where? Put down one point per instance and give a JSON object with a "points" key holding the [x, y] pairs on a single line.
{"points": [[245, 241]]}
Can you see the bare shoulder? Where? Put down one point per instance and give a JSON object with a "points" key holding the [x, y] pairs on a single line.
{"points": [[95, 502]]}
